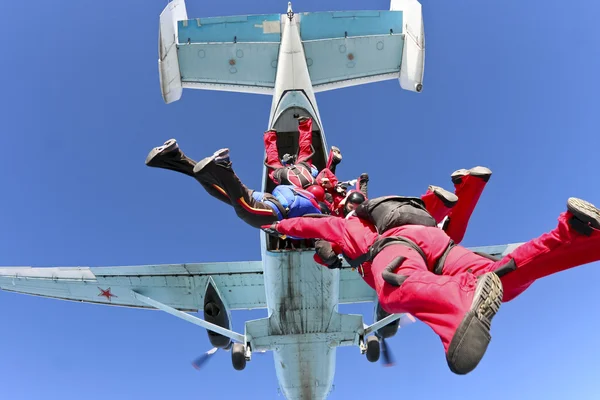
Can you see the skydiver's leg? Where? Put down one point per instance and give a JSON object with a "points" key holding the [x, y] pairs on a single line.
{"points": [[270, 139], [574, 242], [169, 156], [272, 160], [469, 185], [220, 175], [334, 158], [439, 202], [362, 184], [458, 308], [305, 139]]}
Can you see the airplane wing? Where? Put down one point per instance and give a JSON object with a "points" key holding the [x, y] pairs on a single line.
{"points": [[181, 286], [353, 288]]}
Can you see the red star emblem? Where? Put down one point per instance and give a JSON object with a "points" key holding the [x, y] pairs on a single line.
{"points": [[106, 293]]}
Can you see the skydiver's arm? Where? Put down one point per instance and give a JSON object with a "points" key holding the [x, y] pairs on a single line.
{"points": [[305, 140], [329, 228]]}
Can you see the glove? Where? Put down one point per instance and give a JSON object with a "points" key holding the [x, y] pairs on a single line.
{"points": [[340, 189], [272, 230], [336, 264]]}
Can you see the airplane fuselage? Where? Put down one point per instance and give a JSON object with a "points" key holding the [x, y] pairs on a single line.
{"points": [[301, 295]]}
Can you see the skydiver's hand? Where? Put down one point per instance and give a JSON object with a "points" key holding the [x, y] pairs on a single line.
{"points": [[336, 264], [340, 189], [272, 230]]}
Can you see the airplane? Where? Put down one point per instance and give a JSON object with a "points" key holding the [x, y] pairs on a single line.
{"points": [[291, 57]]}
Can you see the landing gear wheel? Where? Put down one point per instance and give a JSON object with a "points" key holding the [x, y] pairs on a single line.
{"points": [[373, 349], [238, 356]]}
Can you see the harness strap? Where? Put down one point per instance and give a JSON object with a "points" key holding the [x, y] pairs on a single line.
{"points": [[308, 157], [438, 267], [381, 244], [273, 199]]}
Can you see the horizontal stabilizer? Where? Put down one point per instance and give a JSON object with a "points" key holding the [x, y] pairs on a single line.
{"points": [[357, 47], [237, 53]]}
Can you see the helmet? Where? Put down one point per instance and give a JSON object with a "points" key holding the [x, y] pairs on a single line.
{"points": [[288, 159], [317, 191], [353, 200]]}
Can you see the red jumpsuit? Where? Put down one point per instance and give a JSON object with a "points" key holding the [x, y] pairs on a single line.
{"points": [[441, 301], [336, 204], [304, 148], [468, 191]]}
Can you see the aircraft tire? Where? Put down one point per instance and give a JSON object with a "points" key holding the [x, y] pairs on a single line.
{"points": [[238, 356], [373, 349]]}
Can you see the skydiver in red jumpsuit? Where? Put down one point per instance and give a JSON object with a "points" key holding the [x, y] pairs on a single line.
{"points": [[296, 170], [416, 269], [457, 207]]}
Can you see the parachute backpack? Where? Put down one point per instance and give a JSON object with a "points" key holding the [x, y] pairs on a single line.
{"points": [[393, 211]]}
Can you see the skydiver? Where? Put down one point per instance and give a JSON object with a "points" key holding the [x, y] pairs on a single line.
{"points": [[296, 170], [418, 270], [336, 192], [216, 175], [439, 203]]}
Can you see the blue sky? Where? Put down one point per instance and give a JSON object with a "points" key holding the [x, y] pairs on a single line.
{"points": [[509, 84]]}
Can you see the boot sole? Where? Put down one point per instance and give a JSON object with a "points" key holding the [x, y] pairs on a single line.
{"points": [[479, 172], [488, 298], [169, 146], [200, 165], [448, 198], [584, 211], [337, 154], [470, 342]]}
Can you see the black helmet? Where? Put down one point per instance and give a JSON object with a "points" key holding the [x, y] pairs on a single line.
{"points": [[288, 159], [355, 198]]}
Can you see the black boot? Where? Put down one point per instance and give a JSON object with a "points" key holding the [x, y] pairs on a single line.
{"points": [[169, 156], [471, 339]]}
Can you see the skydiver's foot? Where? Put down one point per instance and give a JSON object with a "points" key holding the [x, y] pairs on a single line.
{"points": [[472, 337], [169, 156], [449, 199], [220, 157], [584, 211], [482, 173], [270, 131], [302, 119], [336, 156]]}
